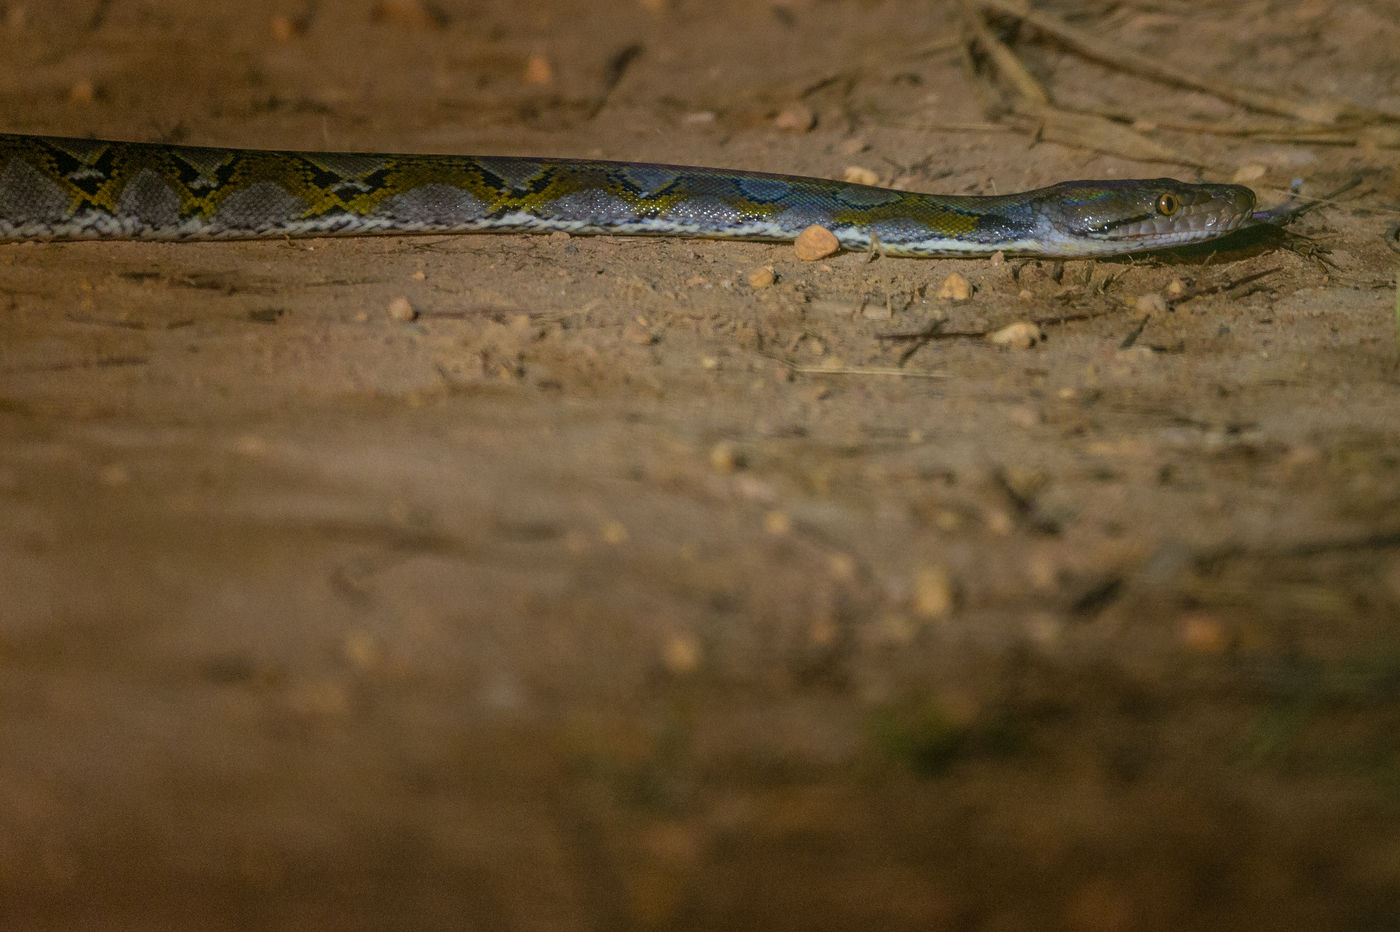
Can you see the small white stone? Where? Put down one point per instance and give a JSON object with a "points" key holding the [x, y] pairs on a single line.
{"points": [[1151, 303], [400, 309], [1021, 335], [955, 288], [858, 174]]}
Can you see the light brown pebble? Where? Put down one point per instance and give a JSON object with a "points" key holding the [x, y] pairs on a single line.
{"points": [[841, 566], [283, 28], [362, 650], [1151, 303], [639, 333], [935, 592], [795, 118], [82, 92], [823, 631], [681, 654], [1176, 288], [401, 309], [250, 445], [815, 242], [725, 456], [615, 533], [1133, 355], [538, 70], [777, 522], [859, 174], [762, 277], [955, 288], [114, 475], [1250, 171], [1021, 335], [998, 258], [1203, 634]]}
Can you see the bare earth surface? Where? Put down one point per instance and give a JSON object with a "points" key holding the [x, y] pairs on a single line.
{"points": [[616, 592]]}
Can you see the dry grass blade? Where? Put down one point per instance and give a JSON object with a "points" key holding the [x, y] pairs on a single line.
{"points": [[1007, 65], [1100, 134], [1311, 111], [1054, 124]]}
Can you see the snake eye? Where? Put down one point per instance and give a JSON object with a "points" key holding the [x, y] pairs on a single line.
{"points": [[1167, 205]]}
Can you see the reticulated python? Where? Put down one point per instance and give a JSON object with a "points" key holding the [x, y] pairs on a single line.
{"points": [[52, 188]]}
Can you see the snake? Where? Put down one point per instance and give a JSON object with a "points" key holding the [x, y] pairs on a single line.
{"points": [[54, 188]]}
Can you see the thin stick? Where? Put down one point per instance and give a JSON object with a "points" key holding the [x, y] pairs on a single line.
{"points": [[1315, 111]]}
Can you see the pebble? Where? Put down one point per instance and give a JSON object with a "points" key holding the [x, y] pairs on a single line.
{"points": [[1176, 288], [114, 475], [1021, 335], [934, 592], [283, 28], [858, 174], [777, 522], [1250, 171], [955, 288], [795, 118], [615, 533], [762, 277], [639, 333], [841, 566], [681, 653], [82, 92], [1203, 634], [538, 70], [1151, 303], [401, 309], [815, 242], [725, 456], [362, 650]]}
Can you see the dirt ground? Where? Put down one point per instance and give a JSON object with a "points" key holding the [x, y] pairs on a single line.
{"points": [[617, 592]]}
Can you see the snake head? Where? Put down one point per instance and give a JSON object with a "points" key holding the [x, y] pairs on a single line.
{"points": [[1098, 217]]}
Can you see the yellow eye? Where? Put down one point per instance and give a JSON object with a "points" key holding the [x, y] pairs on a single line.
{"points": [[1167, 205]]}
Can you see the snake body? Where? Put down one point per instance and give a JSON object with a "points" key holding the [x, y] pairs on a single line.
{"points": [[58, 189]]}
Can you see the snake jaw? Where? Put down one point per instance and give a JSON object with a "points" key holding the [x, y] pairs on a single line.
{"points": [[1114, 217]]}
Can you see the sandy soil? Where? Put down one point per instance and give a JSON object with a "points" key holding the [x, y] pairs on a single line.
{"points": [[614, 592]]}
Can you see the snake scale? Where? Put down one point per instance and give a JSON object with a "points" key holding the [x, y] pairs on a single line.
{"points": [[59, 189]]}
